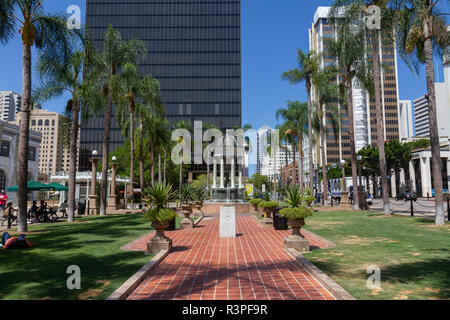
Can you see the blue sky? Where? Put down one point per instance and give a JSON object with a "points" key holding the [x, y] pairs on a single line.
{"points": [[271, 33]]}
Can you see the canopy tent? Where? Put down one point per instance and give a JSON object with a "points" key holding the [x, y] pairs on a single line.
{"points": [[58, 187], [86, 176], [33, 186]]}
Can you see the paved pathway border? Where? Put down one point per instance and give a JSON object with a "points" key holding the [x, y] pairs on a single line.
{"points": [[324, 280]]}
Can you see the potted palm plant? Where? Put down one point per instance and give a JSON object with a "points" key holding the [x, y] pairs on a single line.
{"points": [[158, 197], [296, 214], [187, 197]]}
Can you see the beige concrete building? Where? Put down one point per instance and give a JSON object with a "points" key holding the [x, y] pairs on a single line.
{"points": [[53, 156]]}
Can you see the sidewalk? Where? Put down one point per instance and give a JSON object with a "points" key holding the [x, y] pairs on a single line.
{"points": [[255, 265]]}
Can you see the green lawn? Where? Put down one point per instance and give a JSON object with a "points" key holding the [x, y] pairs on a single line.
{"points": [[93, 245], [413, 254]]}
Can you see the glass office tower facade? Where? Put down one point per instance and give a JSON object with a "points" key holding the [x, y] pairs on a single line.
{"points": [[194, 50]]}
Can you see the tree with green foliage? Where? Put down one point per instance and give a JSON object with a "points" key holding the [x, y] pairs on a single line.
{"points": [[295, 124], [421, 32], [106, 68], [45, 32], [308, 65], [351, 67]]}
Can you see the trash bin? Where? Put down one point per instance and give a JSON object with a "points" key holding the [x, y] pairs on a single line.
{"points": [[172, 225], [279, 222]]}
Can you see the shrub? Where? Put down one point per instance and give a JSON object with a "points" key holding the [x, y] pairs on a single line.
{"points": [[187, 193], [296, 213], [159, 195], [268, 204], [255, 202], [160, 215]]}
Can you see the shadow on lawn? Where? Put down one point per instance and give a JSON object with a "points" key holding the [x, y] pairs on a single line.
{"points": [[435, 272], [40, 272]]}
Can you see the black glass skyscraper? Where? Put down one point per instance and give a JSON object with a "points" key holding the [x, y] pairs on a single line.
{"points": [[194, 50]]}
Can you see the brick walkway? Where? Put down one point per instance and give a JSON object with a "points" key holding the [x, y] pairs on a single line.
{"points": [[253, 266]]}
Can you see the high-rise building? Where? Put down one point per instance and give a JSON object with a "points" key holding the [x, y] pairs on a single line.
{"points": [[422, 120], [9, 105], [54, 156], [271, 166], [194, 50], [364, 108], [406, 120]]}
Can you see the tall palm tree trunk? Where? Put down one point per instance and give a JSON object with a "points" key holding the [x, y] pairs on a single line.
{"points": [[22, 175], [380, 124], [73, 162], [165, 166], [181, 173], [105, 158], [152, 158], [301, 177], [324, 166], [295, 180], [310, 144], [132, 153], [436, 161], [351, 132], [159, 168], [141, 156]]}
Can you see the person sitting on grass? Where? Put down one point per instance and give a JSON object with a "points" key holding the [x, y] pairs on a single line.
{"points": [[19, 242]]}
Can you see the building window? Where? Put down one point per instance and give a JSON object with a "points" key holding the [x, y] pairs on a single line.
{"points": [[33, 122], [40, 123], [47, 123], [5, 146], [32, 154], [2, 180]]}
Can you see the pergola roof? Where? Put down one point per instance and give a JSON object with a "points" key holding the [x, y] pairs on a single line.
{"points": [[85, 176]]}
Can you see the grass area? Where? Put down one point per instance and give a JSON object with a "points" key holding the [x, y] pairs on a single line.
{"points": [[93, 244], [413, 254]]}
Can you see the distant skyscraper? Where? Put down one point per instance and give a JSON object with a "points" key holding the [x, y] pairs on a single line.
{"points": [[364, 109], [194, 50], [406, 120], [9, 105]]}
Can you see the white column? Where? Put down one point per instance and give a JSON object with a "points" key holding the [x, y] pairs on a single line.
{"points": [[222, 177], [393, 185], [426, 176], [402, 180], [214, 183], [232, 172], [240, 179], [448, 173], [412, 176]]}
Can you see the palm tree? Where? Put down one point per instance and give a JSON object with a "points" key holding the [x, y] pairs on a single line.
{"points": [[44, 32], [295, 122], [57, 77], [135, 86], [308, 65], [375, 37], [186, 125], [327, 93], [107, 66], [421, 30], [350, 66]]}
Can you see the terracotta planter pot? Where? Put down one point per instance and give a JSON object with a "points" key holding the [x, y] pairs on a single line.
{"points": [[296, 225], [160, 227], [187, 211], [268, 212]]}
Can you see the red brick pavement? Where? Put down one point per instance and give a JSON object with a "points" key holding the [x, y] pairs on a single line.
{"points": [[255, 265]]}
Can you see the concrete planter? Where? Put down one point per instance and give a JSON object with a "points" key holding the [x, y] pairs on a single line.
{"points": [[187, 223], [296, 240], [268, 220], [159, 242]]}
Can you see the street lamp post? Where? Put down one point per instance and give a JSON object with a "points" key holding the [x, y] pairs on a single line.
{"points": [[93, 207], [112, 199], [344, 192]]}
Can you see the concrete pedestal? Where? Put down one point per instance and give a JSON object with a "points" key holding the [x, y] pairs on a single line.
{"points": [[267, 222], [157, 244], [93, 205], [112, 206], [296, 242], [187, 223], [344, 197]]}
